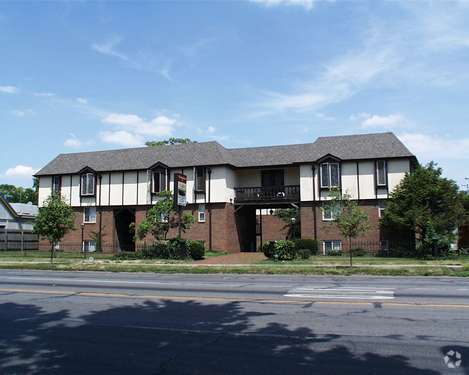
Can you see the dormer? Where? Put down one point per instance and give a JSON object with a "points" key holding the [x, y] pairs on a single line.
{"points": [[329, 172], [159, 178]]}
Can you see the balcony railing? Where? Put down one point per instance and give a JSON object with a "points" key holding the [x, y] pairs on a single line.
{"points": [[286, 193]]}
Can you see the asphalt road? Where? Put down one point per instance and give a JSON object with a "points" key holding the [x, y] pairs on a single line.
{"points": [[113, 323]]}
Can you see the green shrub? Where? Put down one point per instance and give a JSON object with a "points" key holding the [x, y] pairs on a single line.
{"points": [[359, 252], [157, 250], [303, 253], [311, 245], [279, 250], [178, 249], [334, 253], [268, 249], [196, 249]]}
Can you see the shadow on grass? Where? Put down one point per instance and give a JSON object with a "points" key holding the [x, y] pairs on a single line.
{"points": [[173, 338]]}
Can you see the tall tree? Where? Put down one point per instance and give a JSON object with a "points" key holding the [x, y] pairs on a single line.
{"points": [[161, 217], [429, 205], [18, 194], [54, 220], [350, 219], [169, 141]]}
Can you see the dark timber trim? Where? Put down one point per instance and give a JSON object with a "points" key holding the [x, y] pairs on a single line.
{"points": [[123, 183]]}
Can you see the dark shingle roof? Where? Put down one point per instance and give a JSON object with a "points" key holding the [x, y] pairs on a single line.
{"points": [[365, 146]]}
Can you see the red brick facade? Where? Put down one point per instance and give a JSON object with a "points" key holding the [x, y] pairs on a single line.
{"points": [[232, 230]]}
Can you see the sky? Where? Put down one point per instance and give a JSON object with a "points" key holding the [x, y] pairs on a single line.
{"points": [[83, 76]]}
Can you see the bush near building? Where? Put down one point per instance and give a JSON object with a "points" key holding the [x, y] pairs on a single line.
{"points": [[175, 248]]}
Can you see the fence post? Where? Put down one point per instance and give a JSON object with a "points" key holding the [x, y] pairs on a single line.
{"points": [[6, 235], [22, 241]]}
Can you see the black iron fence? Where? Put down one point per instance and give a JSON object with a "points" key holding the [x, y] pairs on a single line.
{"points": [[18, 240], [384, 248], [287, 193]]}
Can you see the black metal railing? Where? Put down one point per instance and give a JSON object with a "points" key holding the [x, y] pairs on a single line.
{"points": [[287, 193]]}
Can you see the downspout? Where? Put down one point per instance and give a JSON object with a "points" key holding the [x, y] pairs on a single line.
{"points": [[314, 206], [209, 210], [101, 215]]}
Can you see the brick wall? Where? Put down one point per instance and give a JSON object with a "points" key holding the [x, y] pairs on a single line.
{"points": [[273, 228]]}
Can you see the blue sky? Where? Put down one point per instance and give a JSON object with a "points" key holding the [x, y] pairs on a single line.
{"points": [[79, 76]]}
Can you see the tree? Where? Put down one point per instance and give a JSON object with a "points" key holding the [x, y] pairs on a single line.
{"points": [[350, 219], [291, 217], [161, 217], [18, 194], [429, 205], [54, 220], [169, 141]]}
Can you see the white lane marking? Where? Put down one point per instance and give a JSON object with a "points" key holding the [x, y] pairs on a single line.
{"points": [[341, 293]]}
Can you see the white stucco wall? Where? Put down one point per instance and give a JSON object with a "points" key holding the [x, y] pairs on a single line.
{"points": [[349, 179], [367, 179], [45, 189], [306, 182], [397, 170]]}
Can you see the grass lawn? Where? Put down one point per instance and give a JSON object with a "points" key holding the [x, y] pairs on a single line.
{"points": [[317, 265]]}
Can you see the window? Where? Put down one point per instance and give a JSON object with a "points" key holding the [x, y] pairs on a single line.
{"points": [[329, 213], [381, 173], [89, 246], [334, 245], [381, 208], [158, 181], [330, 175], [87, 184], [56, 184], [273, 177], [201, 213], [200, 179], [89, 215]]}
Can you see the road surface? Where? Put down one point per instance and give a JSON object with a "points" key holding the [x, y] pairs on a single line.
{"points": [[143, 323]]}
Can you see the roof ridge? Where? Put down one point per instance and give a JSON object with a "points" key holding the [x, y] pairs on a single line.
{"points": [[354, 135]]}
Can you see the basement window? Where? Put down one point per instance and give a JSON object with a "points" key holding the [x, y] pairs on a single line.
{"points": [[334, 245], [89, 246]]}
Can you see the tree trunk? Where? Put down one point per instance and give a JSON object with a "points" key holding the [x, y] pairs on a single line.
{"points": [[350, 250], [52, 252]]}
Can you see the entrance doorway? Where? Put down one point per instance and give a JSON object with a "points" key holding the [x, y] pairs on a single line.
{"points": [[123, 218]]}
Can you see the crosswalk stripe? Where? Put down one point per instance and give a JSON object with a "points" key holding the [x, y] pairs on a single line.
{"points": [[340, 293]]}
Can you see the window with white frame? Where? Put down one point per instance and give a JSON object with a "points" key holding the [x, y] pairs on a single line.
{"points": [[381, 209], [56, 184], [334, 245], [201, 213], [329, 213], [89, 246], [158, 182], [330, 175], [381, 173], [87, 184], [89, 215]]}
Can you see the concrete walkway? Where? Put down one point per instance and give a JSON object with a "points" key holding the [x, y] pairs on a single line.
{"points": [[236, 258]]}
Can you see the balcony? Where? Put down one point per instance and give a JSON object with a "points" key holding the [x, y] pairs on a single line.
{"points": [[277, 194]]}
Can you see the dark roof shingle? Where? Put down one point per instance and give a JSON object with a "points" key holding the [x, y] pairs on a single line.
{"points": [[365, 146]]}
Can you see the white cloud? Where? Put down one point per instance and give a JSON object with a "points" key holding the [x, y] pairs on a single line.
{"points": [[109, 49], [122, 138], [159, 126], [82, 100], [9, 89], [73, 142], [307, 4], [211, 129], [20, 171], [436, 147], [339, 80], [385, 122]]}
